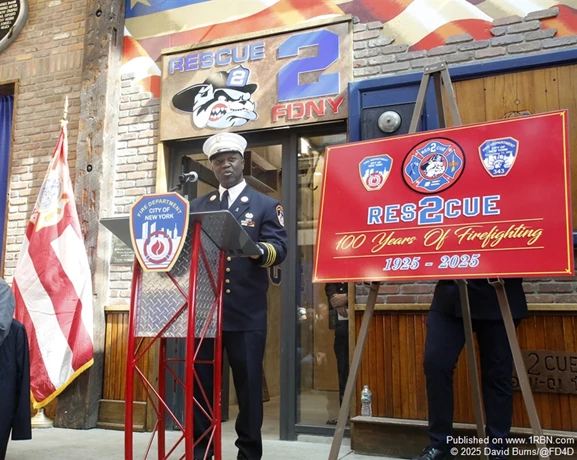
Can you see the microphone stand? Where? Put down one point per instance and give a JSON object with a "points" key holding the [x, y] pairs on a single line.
{"points": [[184, 178]]}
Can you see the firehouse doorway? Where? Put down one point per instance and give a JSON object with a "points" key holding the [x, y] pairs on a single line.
{"points": [[300, 383]]}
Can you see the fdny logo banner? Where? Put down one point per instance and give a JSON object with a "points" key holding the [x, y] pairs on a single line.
{"points": [[158, 226], [472, 201], [292, 78], [433, 165], [375, 171], [498, 155]]}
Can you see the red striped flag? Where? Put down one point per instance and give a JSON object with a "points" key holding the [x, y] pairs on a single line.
{"points": [[136, 61], [205, 21], [425, 24], [52, 285]]}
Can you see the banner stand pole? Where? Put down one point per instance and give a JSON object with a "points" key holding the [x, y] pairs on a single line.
{"points": [[353, 371], [524, 384], [472, 360], [441, 78]]}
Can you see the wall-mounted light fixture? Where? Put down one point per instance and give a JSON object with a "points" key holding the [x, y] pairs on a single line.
{"points": [[389, 121]]}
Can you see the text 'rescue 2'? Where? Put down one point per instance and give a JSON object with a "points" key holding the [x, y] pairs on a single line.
{"points": [[485, 200]]}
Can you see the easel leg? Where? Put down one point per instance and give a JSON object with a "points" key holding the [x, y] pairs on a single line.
{"points": [[354, 370], [499, 286], [472, 360]]}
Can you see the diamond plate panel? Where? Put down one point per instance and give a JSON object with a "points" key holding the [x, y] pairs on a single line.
{"points": [[159, 299]]}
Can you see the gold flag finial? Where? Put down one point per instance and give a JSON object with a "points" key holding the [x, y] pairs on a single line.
{"points": [[64, 120]]}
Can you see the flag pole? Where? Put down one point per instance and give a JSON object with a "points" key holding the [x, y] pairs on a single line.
{"points": [[64, 120], [40, 419]]}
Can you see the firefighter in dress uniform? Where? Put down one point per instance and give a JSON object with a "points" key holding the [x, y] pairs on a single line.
{"points": [[244, 320], [443, 345]]}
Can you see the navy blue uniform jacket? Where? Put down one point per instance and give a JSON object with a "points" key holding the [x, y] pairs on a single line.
{"points": [[482, 299], [245, 300], [14, 387]]}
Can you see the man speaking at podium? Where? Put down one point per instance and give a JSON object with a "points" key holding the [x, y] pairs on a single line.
{"points": [[245, 292]]}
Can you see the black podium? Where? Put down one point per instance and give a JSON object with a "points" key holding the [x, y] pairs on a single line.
{"points": [[185, 302]]}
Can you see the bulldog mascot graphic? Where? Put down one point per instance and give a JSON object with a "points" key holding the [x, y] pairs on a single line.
{"points": [[223, 100]]}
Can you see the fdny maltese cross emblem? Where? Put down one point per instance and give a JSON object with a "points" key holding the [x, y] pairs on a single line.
{"points": [[374, 171], [499, 155], [433, 165]]}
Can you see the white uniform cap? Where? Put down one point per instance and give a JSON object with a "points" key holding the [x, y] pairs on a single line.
{"points": [[225, 142]]}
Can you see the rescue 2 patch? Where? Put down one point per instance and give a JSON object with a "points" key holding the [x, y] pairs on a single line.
{"points": [[433, 165], [280, 215]]}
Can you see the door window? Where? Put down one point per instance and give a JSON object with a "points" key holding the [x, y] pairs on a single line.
{"points": [[318, 396]]}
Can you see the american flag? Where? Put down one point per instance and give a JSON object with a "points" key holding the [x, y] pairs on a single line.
{"points": [[52, 285], [425, 24], [137, 62], [422, 24]]}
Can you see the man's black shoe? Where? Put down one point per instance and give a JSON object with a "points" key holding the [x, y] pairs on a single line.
{"points": [[430, 453]]}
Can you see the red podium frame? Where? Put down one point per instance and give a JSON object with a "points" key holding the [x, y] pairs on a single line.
{"points": [[227, 237]]}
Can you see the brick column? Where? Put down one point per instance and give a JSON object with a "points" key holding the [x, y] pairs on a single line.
{"points": [[78, 404]]}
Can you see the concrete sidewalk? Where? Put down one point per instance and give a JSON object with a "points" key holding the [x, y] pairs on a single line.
{"points": [[64, 444]]}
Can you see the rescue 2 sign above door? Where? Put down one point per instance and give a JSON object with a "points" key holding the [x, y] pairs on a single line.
{"points": [[294, 78]]}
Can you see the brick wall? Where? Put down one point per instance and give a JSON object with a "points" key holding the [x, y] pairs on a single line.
{"points": [[135, 167], [538, 291], [376, 55], [46, 60]]}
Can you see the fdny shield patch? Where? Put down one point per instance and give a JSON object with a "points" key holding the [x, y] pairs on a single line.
{"points": [[280, 215], [158, 227], [433, 165], [375, 171], [498, 155]]}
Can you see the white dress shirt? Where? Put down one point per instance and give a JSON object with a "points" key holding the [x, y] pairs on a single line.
{"points": [[233, 192]]}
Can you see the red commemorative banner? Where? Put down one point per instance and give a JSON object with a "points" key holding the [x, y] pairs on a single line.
{"points": [[477, 201]]}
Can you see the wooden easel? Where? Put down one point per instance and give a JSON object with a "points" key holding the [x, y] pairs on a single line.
{"points": [[440, 76]]}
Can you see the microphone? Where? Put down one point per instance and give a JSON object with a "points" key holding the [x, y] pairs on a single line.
{"points": [[188, 177], [184, 178]]}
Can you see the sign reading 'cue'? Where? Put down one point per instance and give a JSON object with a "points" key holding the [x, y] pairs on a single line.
{"points": [[484, 200]]}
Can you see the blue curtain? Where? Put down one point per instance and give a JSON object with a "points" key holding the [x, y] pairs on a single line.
{"points": [[6, 104]]}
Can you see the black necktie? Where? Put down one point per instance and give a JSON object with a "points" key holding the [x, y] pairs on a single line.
{"points": [[224, 200]]}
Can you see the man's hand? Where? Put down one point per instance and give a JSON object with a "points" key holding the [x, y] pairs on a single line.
{"points": [[339, 300], [340, 303], [342, 311]]}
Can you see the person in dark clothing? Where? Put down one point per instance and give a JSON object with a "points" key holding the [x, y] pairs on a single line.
{"points": [[443, 345], [337, 295], [244, 320], [14, 374]]}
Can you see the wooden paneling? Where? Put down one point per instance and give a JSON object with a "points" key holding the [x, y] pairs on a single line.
{"points": [[395, 372], [534, 91], [115, 359]]}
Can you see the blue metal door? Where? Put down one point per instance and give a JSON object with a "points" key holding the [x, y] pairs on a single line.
{"points": [[393, 99]]}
